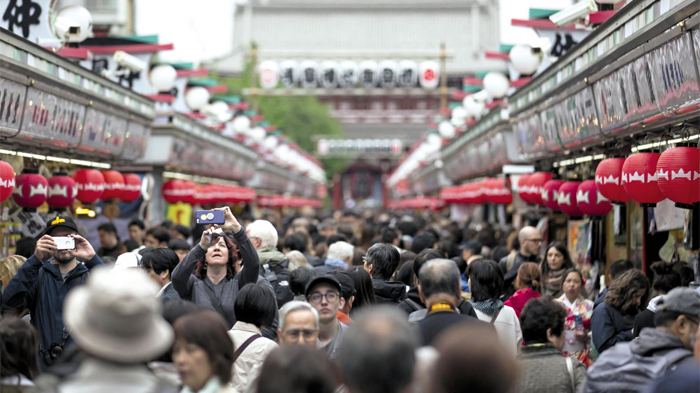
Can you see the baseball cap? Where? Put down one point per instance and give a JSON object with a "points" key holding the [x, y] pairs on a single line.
{"points": [[347, 285], [681, 300], [323, 279], [60, 221]]}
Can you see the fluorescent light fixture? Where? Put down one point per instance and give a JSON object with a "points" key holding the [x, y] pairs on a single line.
{"points": [[57, 159], [199, 179], [579, 160], [90, 163], [518, 169], [664, 143]]}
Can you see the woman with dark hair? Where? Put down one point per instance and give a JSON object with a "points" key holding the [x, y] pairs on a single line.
{"points": [[298, 280], [203, 353], [297, 369], [666, 277], [543, 368], [363, 286], [528, 284], [556, 262], [486, 286], [19, 345], [255, 308], [613, 320], [578, 317], [215, 269]]}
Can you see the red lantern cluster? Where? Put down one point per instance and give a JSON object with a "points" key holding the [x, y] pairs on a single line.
{"points": [[590, 201], [175, 191], [7, 180], [639, 178], [30, 190], [550, 193], [523, 188], [216, 194], [275, 201], [530, 187], [496, 192], [114, 185], [678, 175], [62, 191], [90, 184], [608, 180], [567, 198], [132, 187]]}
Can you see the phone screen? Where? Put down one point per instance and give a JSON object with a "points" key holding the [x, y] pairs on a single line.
{"points": [[64, 242]]}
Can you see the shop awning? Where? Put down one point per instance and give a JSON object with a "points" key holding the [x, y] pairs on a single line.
{"points": [[287, 201], [418, 203]]}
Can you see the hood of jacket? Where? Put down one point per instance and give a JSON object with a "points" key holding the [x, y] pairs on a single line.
{"points": [[652, 341], [414, 295], [269, 255], [389, 290], [654, 303]]}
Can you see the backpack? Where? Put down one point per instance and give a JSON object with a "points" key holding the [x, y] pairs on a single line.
{"points": [[277, 275], [620, 370]]}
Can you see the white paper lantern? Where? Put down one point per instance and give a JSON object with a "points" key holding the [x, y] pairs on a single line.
{"points": [[388, 74], [459, 114], [408, 73], [473, 107], [434, 142], [524, 60], [68, 18], [163, 77], [219, 111], [241, 124], [282, 152], [258, 134], [496, 85], [197, 97], [269, 74], [348, 74], [328, 74], [289, 73], [429, 74], [446, 130], [270, 142], [308, 74], [368, 74]]}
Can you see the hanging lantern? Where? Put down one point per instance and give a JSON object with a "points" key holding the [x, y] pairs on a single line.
{"points": [[114, 185], [523, 188], [608, 179], [536, 181], [497, 193], [550, 193], [7, 180], [590, 201], [429, 74], [567, 198], [190, 190], [62, 191], [174, 191], [678, 173], [132, 187], [30, 190], [639, 178], [90, 184]]}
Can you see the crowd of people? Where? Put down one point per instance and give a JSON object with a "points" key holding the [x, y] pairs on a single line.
{"points": [[356, 303]]}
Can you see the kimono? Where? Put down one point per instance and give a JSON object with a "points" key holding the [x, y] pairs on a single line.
{"points": [[573, 347]]}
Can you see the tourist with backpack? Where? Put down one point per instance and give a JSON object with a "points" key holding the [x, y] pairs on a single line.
{"points": [[631, 367]]}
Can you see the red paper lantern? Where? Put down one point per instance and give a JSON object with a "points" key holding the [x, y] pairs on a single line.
{"points": [[536, 181], [567, 198], [90, 184], [678, 173], [524, 188], [590, 201], [114, 185], [608, 179], [30, 190], [7, 180], [174, 191], [62, 191], [190, 190], [550, 193], [497, 193], [132, 187], [639, 178]]}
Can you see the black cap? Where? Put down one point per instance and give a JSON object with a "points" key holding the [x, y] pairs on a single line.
{"points": [[60, 221], [347, 284], [323, 279]]}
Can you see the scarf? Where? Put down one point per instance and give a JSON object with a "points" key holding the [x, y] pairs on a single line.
{"points": [[332, 262], [269, 255], [554, 280], [488, 307]]}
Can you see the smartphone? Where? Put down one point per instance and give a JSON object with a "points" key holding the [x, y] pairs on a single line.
{"points": [[217, 231], [208, 217], [64, 242]]}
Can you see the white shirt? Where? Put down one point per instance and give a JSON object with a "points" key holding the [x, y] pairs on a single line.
{"points": [[507, 327]]}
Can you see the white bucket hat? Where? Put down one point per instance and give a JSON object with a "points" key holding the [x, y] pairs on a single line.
{"points": [[117, 317], [127, 260]]}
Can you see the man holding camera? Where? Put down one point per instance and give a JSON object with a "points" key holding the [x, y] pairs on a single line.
{"points": [[42, 283]]}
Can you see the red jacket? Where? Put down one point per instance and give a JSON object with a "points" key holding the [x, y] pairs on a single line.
{"points": [[520, 297]]}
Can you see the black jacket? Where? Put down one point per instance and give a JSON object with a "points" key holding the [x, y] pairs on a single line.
{"points": [[609, 327], [406, 306], [434, 324], [600, 298], [170, 294], [392, 292], [509, 276], [644, 319], [45, 301]]}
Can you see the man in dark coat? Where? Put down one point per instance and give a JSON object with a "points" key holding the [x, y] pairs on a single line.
{"points": [[381, 261], [530, 244], [42, 283], [159, 265]]}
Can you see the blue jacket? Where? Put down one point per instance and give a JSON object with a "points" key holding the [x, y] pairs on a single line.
{"points": [[46, 308]]}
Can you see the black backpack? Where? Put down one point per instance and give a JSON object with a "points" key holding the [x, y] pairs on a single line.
{"points": [[277, 274]]}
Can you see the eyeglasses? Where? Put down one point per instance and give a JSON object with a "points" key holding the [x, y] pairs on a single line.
{"points": [[330, 297], [295, 333], [693, 320]]}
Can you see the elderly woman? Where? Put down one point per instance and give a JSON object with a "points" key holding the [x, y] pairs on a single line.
{"points": [[214, 270]]}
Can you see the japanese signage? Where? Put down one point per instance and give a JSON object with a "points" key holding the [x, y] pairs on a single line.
{"points": [[350, 147], [26, 18], [12, 96], [674, 73], [49, 117]]}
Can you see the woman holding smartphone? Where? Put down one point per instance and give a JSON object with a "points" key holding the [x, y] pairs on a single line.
{"points": [[207, 276]]}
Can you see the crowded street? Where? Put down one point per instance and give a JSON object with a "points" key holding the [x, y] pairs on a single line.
{"points": [[350, 196]]}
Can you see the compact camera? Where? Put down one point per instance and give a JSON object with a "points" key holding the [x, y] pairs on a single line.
{"points": [[64, 242], [208, 217]]}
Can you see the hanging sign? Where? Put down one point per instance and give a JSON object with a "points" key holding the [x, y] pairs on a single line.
{"points": [[12, 100], [674, 74], [49, 117], [27, 19]]}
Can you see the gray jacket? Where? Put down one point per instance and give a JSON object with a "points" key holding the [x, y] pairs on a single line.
{"points": [[543, 370], [655, 342]]}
